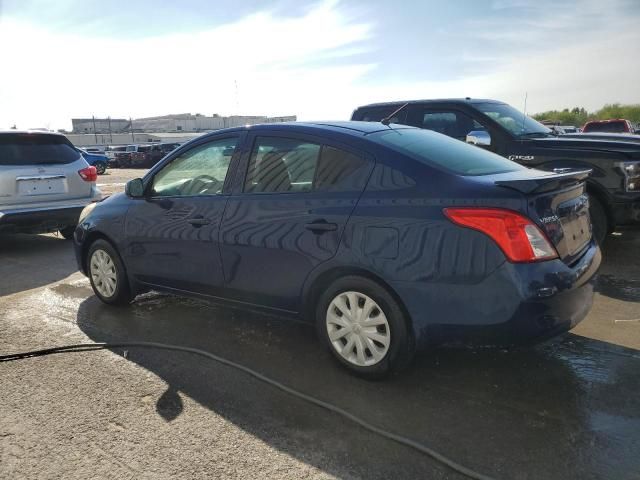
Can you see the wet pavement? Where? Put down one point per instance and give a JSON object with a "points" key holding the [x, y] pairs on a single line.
{"points": [[567, 409]]}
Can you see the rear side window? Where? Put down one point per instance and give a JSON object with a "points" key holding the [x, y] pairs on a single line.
{"points": [[280, 165], [444, 152], [34, 149]]}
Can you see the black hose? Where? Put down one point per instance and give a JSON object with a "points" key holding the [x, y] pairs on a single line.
{"points": [[90, 347]]}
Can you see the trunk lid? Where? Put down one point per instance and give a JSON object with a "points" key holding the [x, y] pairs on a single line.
{"points": [[558, 204]]}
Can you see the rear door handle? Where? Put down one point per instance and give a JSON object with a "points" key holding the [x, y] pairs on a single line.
{"points": [[198, 221], [321, 226]]}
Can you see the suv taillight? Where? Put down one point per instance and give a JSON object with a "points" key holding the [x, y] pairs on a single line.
{"points": [[89, 174], [517, 236]]}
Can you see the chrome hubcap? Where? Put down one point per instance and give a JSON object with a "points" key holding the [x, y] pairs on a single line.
{"points": [[358, 329], [103, 273]]}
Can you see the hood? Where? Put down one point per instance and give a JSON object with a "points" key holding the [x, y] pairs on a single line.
{"points": [[587, 142], [616, 137]]}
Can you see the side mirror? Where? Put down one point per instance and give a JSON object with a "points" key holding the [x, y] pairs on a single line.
{"points": [[480, 138], [134, 188]]}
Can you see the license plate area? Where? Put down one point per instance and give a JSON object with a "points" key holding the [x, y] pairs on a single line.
{"points": [[576, 223], [42, 186]]}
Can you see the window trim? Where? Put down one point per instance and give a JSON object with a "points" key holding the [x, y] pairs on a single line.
{"points": [[178, 152]]}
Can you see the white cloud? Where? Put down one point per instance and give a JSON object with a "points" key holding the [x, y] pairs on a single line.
{"points": [[280, 66], [306, 66]]}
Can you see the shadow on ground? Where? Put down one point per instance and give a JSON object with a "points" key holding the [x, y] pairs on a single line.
{"points": [[47, 258], [563, 410]]}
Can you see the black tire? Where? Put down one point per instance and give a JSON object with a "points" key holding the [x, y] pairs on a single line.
{"points": [[401, 348], [122, 293], [67, 232], [599, 219], [101, 167]]}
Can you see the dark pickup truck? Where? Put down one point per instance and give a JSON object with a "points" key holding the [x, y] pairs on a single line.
{"points": [[613, 186]]}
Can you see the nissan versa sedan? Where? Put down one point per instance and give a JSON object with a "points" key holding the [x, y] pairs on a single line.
{"points": [[389, 238]]}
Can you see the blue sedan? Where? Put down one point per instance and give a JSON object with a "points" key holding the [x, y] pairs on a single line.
{"points": [[388, 238]]}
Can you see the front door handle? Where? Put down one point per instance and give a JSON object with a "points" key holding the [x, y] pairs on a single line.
{"points": [[198, 221], [321, 226]]}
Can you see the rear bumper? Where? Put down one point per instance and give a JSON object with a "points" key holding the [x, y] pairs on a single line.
{"points": [[40, 220], [516, 304]]}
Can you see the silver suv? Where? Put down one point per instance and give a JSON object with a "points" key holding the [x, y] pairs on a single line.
{"points": [[44, 183]]}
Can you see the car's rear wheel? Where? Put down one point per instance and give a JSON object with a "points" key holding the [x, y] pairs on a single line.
{"points": [[67, 232], [107, 274], [101, 167], [364, 327], [599, 219]]}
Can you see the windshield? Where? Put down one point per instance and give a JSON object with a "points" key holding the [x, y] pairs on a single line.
{"points": [[444, 152], [516, 122]]}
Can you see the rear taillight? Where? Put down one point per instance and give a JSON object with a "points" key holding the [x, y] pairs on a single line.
{"points": [[89, 174], [517, 236]]}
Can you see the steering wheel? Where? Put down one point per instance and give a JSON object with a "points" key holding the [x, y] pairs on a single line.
{"points": [[202, 184]]}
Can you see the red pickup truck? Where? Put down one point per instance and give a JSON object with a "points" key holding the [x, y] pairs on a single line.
{"points": [[617, 125]]}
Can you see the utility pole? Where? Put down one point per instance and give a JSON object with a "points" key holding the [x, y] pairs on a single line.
{"points": [[95, 134], [133, 140], [110, 134]]}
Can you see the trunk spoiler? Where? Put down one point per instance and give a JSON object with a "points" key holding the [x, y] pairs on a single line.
{"points": [[546, 183]]}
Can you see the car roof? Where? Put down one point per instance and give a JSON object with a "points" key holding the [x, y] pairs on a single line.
{"points": [[610, 120], [427, 101], [29, 132], [352, 128]]}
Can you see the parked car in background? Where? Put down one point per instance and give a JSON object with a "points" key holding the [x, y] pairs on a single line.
{"points": [[618, 125], [389, 238], [146, 156], [44, 183], [98, 160], [565, 129], [111, 151], [613, 187]]}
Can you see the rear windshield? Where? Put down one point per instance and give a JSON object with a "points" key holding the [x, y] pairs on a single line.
{"points": [[34, 149], [609, 127], [444, 152]]}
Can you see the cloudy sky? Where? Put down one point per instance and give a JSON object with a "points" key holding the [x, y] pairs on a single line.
{"points": [[317, 59]]}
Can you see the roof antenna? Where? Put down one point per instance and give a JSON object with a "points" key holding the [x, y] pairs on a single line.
{"points": [[387, 120], [525, 111]]}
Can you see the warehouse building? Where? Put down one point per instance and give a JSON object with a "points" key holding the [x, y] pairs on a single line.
{"points": [[184, 122]]}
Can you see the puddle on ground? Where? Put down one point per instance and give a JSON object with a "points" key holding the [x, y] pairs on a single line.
{"points": [[622, 289], [71, 290]]}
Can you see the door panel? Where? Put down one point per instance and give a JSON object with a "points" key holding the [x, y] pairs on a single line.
{"points": [[272, 240], [172, 234]]}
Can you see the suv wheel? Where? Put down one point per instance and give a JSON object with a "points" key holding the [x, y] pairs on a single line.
{"points": [[67, 232], [599, 219], [364, 327], [107, 274]]}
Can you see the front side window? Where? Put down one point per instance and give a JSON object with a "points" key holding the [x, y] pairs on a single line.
{"points": [[199, 171], [451, 123], [281, 165]]}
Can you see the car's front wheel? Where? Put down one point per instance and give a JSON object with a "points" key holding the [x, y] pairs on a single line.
{"points": [[107, 274], [364, 327]]}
